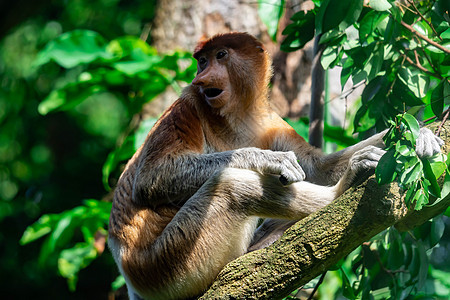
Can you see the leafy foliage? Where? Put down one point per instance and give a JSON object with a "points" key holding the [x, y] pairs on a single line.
{"points": [[90, 219], [401, 51], [119, 66], [377, 44], [418, 176]]}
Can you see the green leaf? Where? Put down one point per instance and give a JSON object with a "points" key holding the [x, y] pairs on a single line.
{"points": [[338, 135], [380, 5], [68, 97], [423, 28], [434, 188], [437, 98], [331, 37], [126, 150], [445, 188], [412, 174], [123, 47], [385, 171], [137, 62], [142, 132], [404, 149], [402, 95], [329, 56], [436, 231], [352, 14], [333, 12], [421, 199], [72, 260], [270, 12], [417, 82], [410, 192], [412, 124], [74, 48], [346, 286], [300, 32], [368, 25], [383, 293], [446, 34], [423, 263], [41, 227], [118, 283]]}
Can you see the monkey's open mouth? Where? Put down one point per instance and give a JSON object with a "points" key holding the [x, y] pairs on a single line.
{"points": [[212, 92]]}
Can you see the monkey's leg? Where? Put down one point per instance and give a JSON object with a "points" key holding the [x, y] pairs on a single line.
{"points": [[214, 227]]}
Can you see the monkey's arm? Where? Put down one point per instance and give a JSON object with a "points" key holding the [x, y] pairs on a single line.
{"points": [[177, 178], [328, 169]]}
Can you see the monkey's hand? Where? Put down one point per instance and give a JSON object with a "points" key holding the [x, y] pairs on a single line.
{"points": [[427, 144], [365, 159], [362, 160], [286, 165]]}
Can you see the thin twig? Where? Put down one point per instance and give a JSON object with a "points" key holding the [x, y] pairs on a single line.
{"points": [[146, 32], [423, 18], [438, 131], [428, 59], [401, 5], [422, 68], [322, 277], [410, 28]]}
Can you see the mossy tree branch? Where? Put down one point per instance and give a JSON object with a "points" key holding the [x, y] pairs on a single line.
{"points": [[320, 240]]}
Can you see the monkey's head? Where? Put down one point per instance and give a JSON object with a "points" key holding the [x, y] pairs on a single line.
{"points": [[233, 71]]}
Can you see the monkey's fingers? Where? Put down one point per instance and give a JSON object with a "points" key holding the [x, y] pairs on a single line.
{"points": [[366, 158], [291, 173], [427, 144]]}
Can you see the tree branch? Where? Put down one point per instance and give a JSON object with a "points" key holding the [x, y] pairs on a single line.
{"points": [[320, 240], [410, 28]]}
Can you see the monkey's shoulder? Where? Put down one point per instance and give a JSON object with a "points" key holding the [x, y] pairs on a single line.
{"points": [[179, 129]]}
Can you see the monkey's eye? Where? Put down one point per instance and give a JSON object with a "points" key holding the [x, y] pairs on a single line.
{"points": [[202, 61], [221, 54]]}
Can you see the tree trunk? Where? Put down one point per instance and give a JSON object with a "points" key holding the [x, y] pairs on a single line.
{"points": [[320, 240]]}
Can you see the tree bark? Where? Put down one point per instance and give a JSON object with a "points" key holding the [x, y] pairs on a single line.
{"points": [[320, 240]]}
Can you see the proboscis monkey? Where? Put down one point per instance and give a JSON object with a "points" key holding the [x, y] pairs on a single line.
{"points": [[218, 159]]}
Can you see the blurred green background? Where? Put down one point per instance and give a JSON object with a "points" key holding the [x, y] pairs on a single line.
{"points": [[48, 163]]}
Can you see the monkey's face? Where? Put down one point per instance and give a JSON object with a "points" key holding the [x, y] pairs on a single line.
{"points": [[212, 77]]}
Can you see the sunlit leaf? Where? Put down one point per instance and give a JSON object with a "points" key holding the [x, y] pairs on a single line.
{"points": [[74, 48], [434, 188], [417, 82], [299, 32], [68, 97], [72, 260], [142, 131], [385, 171], [270, 12], [329, 56], [333, 12], [369, 23], [118, 283], [446, 34], [380, 5], [412, 174], [41, 227], [412, 124]]}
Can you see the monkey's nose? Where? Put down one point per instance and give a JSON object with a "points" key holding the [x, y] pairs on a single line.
{"points": [[198, 81]]}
